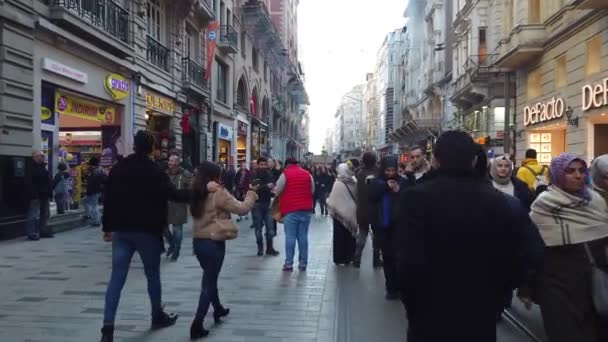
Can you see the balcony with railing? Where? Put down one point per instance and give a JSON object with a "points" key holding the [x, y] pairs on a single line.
{"points": [[101, 16], [204, 9], [228, 40], [193, 76], [524, 44], [157, 53]]}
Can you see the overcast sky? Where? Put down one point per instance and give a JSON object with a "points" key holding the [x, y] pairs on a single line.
{"points": [[338, 42]]}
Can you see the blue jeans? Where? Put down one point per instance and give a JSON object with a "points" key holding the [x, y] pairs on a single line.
{"points": [[296, 229], [174, 239], [124, 245], [261, 216], [210, 255], [37, 216], [90, 207]]}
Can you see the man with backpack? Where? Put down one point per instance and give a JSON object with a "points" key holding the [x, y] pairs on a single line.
{"points": [[534, 175]]}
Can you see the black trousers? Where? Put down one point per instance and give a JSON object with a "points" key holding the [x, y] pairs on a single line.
{"points": [[385, 238], [344, 244]]}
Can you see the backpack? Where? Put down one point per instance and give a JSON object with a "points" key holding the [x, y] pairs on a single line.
{"points": [[540, 181]]}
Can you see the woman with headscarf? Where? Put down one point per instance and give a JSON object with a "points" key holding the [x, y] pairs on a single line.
{"points": [[573, 221], [384, 193], [501, 172], [342, 205], [599, 175]]}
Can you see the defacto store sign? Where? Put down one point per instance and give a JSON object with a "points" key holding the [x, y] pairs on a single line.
{"points": [[84, 109], [117, 86], [543, 112], [159, 103], [224, 132], [595, 96], [64, 70]]}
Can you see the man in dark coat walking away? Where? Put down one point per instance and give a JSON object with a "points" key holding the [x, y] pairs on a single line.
{"points": [[39, 191], [365, 175], [134, 218], [459, 249]]}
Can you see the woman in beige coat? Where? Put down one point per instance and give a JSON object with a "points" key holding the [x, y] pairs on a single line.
{"points": [[210, 203]]}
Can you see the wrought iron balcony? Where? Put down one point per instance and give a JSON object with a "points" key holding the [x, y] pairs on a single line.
{"points": [[193, 76], [157, 53], [228, 40], [105, 15]]}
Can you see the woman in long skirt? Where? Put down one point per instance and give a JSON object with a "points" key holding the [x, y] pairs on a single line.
{"points": [[342, 205]]}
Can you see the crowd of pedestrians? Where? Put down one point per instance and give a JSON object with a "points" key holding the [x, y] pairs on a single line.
{"points": [[456, 234]]}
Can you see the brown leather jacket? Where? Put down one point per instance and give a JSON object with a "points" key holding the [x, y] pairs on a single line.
{"points": [[221, 204]]}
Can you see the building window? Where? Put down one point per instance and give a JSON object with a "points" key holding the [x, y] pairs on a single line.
{"points": [[221, 79], [243, 43], [533, 11], [561, 72], [482, 51], [593, 56], [156, 20], [534, 84], [254, 59]]}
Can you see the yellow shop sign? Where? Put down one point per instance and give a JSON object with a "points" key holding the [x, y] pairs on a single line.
{"points": [[159, 103], [117, 86], [85, 109], [45, 113]]}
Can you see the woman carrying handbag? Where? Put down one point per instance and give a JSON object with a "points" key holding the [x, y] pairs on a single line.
{"points": [[211, 208], [342, 204]]}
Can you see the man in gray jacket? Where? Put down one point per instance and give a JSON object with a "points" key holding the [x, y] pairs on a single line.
{"points": [[177, 212], [365, 175]]}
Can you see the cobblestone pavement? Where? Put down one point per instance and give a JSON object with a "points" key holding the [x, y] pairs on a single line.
{"points": [[53, 290]]}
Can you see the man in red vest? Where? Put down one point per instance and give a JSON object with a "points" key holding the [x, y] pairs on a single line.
{"points": [[295, 188]]}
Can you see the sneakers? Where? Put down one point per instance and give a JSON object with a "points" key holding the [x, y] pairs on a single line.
{"points": [[33, 237], [219, 313], [287, 268], [163, 320], [302, 268]]}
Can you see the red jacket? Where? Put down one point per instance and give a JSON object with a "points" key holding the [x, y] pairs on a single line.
{"points": [[297, 195]]}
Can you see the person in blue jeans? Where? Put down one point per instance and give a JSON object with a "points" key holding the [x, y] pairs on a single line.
{"points": [[212, 204], [261, 211], [136, 197], [178, 212], [294, 189], [95, 182]]}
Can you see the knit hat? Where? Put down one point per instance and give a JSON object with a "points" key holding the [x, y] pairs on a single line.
{"points": [[494, 169], [557, 170]]}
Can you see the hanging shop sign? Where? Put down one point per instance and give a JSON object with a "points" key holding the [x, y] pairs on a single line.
{"points": [[159, 103], [596, 95], [64, 70], [543, 112], [224, 132], [85, 109], [117, 86], [45, 113], [242, 128]]}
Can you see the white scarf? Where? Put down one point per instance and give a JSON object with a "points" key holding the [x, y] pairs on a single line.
{"points": [[342, 201], [565, 219]]}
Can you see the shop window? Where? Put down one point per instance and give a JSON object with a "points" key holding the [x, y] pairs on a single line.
{"points": [[533, 11], [561, 72], [221, 72], [534, 84], [156, 20], [593, 56]]}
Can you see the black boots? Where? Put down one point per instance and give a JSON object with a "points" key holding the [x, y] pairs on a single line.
{"points": [[270, 249], [219, 313], [197, 330], [377, 260], [107, 333], [163, 320], [260, 249]]}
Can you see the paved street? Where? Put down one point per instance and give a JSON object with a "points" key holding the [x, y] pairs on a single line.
{"points": [[53, 290]]}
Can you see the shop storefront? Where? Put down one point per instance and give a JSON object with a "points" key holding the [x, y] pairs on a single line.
{"points": [[159, 115], [223, 147], [562, 103], [241, 143], [259, 139]]}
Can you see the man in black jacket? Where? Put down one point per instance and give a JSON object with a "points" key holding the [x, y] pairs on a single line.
{"points": [[94, 186], [365, 175], [459, 249], [134, 217], [39, 191], [261, 211]]}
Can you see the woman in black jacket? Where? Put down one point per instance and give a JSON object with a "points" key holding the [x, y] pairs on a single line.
{"points": [[384, 193], [323, 186]]}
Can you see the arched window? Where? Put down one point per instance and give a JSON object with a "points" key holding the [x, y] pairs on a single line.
{"points": [[254, 103], [241, 93]]}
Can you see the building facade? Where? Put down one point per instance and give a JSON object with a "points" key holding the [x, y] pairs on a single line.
{"points": [[207, 78], [349, 117]]}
